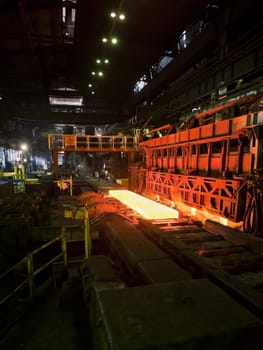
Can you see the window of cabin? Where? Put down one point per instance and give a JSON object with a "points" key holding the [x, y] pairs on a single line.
{"points": [[217, 147], [246, 144], [179, 152], [203, 148], [233, 145]]}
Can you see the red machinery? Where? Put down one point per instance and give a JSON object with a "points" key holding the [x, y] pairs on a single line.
{"points": [[212, 161]]}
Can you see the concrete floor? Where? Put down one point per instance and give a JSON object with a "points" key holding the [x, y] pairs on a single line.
{"points": [[59, 321]]}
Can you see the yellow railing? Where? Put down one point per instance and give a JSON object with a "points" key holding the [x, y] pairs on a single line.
{"points": [[17, 288], [91, 142], [72, 211], [27, 264]]}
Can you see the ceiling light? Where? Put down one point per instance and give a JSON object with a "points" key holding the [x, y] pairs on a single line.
{"points": [[99, 61], [104, 40], [93, 73], [66, 101], [90, 85], [114, 41], [66, 89], [100, 73], [92, 92], [121, 16], [24, 147]]}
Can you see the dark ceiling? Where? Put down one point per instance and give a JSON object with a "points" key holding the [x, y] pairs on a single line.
{"points": [[40, 53]]}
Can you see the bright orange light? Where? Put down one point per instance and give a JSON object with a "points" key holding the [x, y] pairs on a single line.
{"points": [[203, 214], [144, 206], [223, 221]]}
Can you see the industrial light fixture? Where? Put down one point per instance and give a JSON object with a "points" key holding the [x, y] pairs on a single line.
{"points": [[24, 147], [121, 16], [99, 61], [113, 40], [66, 101], [99, 73]]}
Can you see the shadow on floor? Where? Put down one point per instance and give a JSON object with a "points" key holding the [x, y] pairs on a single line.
{"points": [[58, 321]]}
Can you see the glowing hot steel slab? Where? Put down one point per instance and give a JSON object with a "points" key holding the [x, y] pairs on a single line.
{"points": [[144, 206]]}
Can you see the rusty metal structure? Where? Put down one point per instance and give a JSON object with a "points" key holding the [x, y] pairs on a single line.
{"points": [[213, 161]]}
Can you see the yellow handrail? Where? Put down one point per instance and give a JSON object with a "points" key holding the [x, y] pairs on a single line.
{"points": [[28, 261], [92, 142], [31, 273]]}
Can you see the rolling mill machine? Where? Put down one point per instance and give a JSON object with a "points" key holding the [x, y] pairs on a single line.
{"points": [[211, 161]]}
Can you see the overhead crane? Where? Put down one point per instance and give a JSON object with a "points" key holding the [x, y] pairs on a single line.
{"points": [[58, 143]]}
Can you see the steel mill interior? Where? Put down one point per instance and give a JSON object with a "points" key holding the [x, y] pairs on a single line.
{"points": [[131, 175]]}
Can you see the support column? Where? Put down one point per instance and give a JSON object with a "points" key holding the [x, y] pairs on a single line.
{"points": [[131, 157], [55, 164]]}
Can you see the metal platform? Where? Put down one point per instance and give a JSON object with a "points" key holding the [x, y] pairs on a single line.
{"points": [[91, 143]]}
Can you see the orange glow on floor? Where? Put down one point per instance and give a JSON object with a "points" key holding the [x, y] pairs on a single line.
{"points": [[145, 207]]}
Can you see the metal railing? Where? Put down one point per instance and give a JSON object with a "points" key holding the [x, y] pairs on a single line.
{"points": [[29, 267], [115, 143], [72, 211], [26, 267]]}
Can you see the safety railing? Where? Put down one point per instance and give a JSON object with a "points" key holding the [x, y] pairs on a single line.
{"points": [[26, 267], [72, 211], [24, 272], [79, 143]]}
